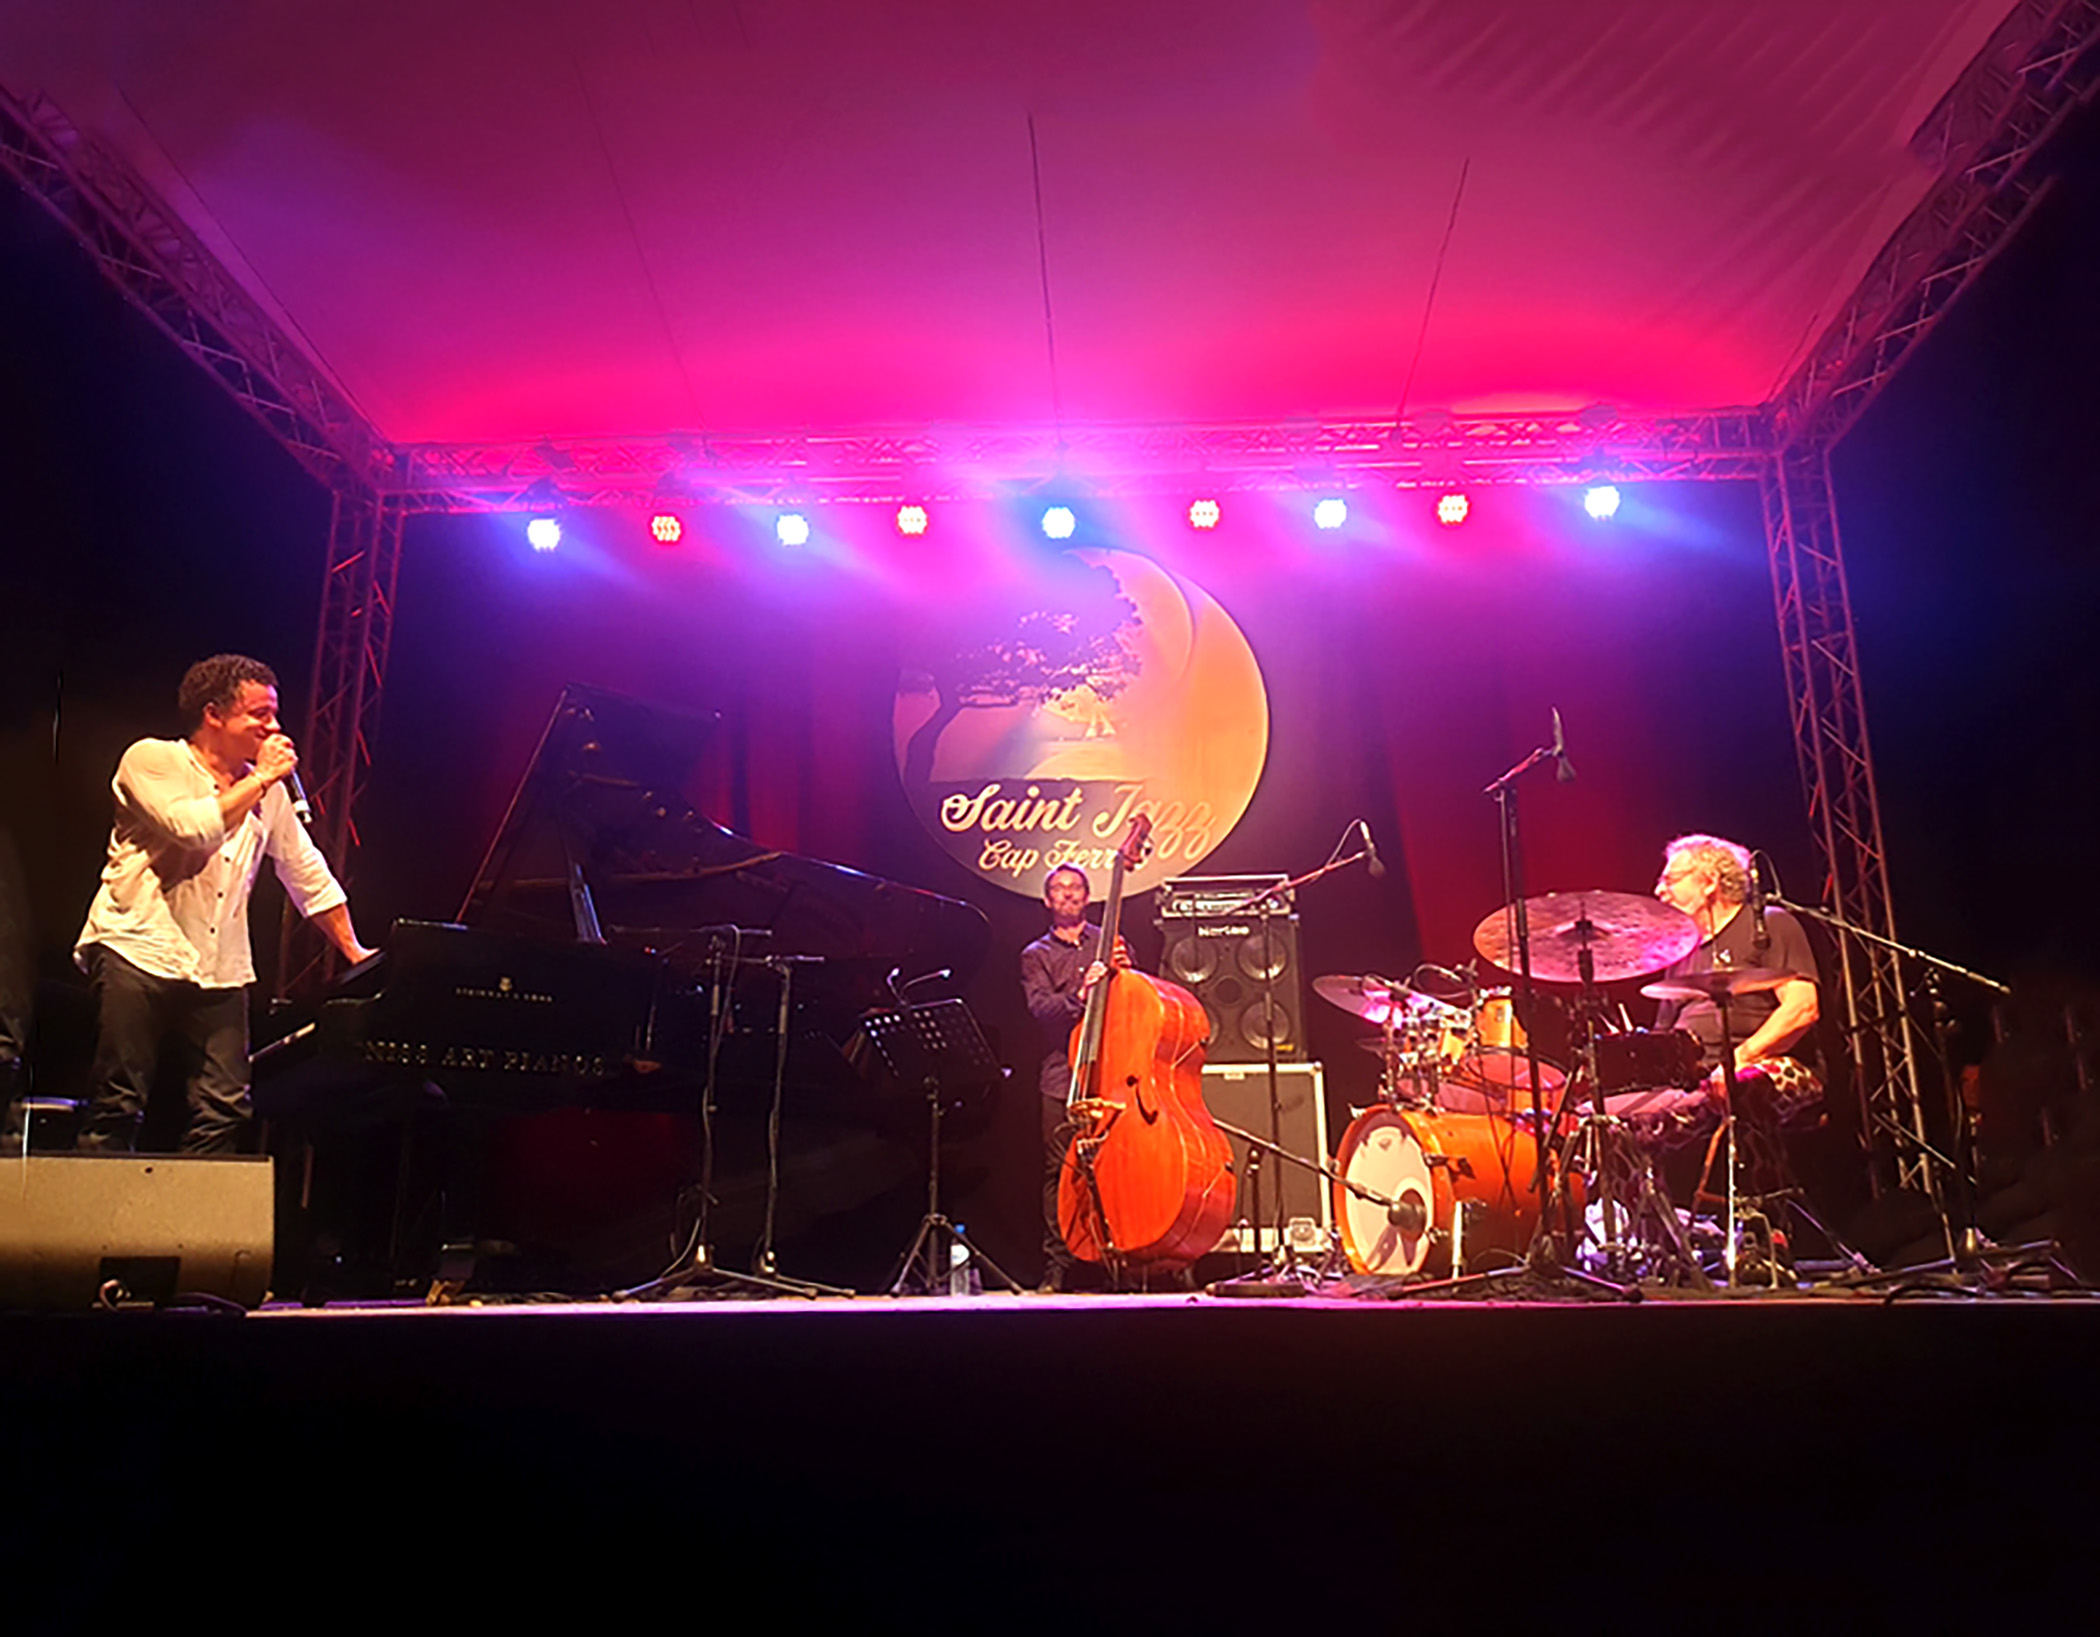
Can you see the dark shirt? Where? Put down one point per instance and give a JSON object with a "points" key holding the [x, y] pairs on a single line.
{"points": [[1051, 973], [1735, 945]]}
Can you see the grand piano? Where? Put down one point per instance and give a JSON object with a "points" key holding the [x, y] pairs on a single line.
{"points": [[615, 952]]}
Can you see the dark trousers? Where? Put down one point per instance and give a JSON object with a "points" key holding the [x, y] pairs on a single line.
{"points": [[148, 1024]]}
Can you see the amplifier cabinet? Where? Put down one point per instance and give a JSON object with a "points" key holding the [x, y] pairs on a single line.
{"points": [[1239, 1093]]}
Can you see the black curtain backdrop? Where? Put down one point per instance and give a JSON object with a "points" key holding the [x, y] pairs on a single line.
{"points": [[148, 521]]}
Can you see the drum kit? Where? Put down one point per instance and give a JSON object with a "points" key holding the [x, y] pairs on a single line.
{"points": [[1477, 1142]]}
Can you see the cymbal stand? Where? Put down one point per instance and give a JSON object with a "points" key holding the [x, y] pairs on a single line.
{"points": [[1552, 1247], [939, 1046]]}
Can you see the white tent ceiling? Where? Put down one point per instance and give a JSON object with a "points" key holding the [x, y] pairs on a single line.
{"points": [[495, 219]]}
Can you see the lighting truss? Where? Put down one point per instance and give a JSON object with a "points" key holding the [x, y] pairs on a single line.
{"points": [[948, 464], [2038, 67], [169, 275], [1828, 709], [350, 657]]}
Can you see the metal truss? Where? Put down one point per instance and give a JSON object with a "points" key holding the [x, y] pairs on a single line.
{"points": [[1591, 445], [2041, 65], [1828, 709], [170, 276], [350, 655]]}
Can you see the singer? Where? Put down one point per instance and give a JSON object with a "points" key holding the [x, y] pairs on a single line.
{"points": [[166, 939]]}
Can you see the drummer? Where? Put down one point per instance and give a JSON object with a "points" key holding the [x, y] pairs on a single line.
{"points": [[1708, 879]]}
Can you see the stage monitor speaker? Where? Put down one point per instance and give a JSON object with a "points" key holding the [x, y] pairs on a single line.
{"points": [[1221, 960], [144, 1227], [1239, 1094]]}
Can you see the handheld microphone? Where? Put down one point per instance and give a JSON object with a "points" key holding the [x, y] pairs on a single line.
{"points": [[1375, 864], [300, 804]]}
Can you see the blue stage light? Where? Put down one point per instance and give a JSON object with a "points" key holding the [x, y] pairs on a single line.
{"points": [[792, 529], [543, 533], [1058, 523], [1601, 502]]}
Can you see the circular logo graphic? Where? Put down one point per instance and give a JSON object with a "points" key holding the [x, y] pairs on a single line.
{"points": [[1042, 718]]}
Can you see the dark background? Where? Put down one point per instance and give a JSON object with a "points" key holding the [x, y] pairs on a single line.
{"points": [[146, 521]]}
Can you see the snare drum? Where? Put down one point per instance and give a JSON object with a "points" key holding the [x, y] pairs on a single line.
{"points": [[1432, 1165]]}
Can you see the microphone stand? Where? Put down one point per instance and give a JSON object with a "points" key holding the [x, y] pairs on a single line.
{"points": [[696, 1269], [1966, 1246], [1280, 1276], [1550, 1257]]}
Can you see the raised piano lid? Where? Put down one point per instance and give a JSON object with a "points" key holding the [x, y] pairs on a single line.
{"points": [[599, 804]]}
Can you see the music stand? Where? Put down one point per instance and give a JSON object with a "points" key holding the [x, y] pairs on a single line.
{"points": [[939, 1048]]}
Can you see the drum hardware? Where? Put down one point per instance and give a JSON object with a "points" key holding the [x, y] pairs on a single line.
{"points": [[1722, 986], [1591, 937]]}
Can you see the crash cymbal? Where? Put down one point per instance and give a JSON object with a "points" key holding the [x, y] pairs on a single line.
{"points": [[1628, 936], [1725, 980], [1373, 998]]}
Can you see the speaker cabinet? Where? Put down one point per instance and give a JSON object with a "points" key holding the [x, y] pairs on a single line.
{"points": [[1223, 962], [156, 1225], [1239, 1094]]}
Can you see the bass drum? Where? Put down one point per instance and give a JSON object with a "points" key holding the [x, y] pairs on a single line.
{"points": [[1431, 1165]]}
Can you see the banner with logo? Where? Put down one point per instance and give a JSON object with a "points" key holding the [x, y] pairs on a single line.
{"points": [[1034, 723]]}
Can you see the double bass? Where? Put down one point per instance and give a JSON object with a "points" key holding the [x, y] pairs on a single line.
{"points": [[1147, 1179]]}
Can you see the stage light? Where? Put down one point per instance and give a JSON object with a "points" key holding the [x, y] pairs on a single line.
{"points": [[1330, 513], [1058, 523], [1204, 514], [1601, 502], [666, 529], [543, 533], [792, 529], [911, 519], [1452, 509]]}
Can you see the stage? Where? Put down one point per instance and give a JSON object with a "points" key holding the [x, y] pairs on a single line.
{"points": [[1021, 1461]]}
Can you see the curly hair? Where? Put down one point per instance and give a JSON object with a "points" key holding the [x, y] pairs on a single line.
{"points": [[217, 681], [1729, 860]]}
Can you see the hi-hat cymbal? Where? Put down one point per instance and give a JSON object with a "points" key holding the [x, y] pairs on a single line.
{"points": [[1725, 980], [1627, 935]]}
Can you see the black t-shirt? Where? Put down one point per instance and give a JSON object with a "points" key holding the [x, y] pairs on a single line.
{"points": [[1051, 973], [1735, 945]]}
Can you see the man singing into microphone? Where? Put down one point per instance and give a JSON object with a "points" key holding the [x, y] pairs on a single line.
{"points": [[166, 939]]}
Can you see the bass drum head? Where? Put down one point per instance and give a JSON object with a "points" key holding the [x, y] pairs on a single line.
{"points": [[1381, 1152]]}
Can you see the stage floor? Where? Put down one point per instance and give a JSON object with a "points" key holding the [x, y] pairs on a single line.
{"points": [[1030, 1460]]}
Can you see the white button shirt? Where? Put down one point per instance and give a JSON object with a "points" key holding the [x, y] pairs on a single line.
{"points": [[174, 893]]}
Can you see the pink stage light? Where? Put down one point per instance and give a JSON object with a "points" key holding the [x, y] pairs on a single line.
{"points": [[911, 520], [1452, 509], [666, 529], [1204, 514]]}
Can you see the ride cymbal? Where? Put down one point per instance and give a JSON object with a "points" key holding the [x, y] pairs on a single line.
{"points": [[1627, 936]]}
